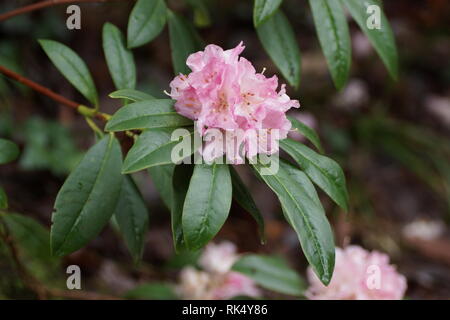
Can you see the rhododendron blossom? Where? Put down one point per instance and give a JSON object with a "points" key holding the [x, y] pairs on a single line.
{"points": [[216, 281], [359, 275], [224, 92]]}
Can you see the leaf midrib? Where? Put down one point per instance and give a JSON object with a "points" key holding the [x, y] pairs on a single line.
{"points": [[81, 211]]}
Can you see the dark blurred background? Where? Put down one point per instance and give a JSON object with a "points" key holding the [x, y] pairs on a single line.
{"points": [[392, 139]]}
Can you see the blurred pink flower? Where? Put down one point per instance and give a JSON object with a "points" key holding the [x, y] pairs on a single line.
{"points": [[216, 281], [224, 92], [218, 258], [359, 275]]}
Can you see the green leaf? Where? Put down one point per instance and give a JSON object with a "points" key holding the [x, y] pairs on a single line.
{"points": [[180, 184], [119, 59], [156, 113], [152, 291], [3, 199], [325, 172], [152, 148], [88, 197], [207, 204], [332, 29], [278, 39], [271, 273], [72, 67], [307, 132], [162, 180], [264, 9], [243, 196], [9, 151], [382, 39], [147, 20], [184, 40], [305, 214], [130, 94], [132, 217]]}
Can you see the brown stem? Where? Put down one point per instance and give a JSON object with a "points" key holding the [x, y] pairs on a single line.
{"points": [[35, 285], [45, 91], [40, 5], [35, 86]]}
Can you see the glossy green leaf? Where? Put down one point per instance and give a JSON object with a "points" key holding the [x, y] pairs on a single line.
{"points": [[152, 291], [243, 196], [162, 180], [152, 148], [278, 39], [72, 67], [264, 9], [207, 204], [3, 199], [132, 217], [181, 177], [334, 37], [119, 59], [9, 151], [305, 214], [307, 132], [157, 113], [184, 40], [88, 197], [130, 94], [271, 273], [147, 20], [382, 39], [325, 172]]}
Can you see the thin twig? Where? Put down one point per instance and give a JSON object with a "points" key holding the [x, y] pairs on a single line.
{"points": [[41, 291], [46, 91], [42, 4]]}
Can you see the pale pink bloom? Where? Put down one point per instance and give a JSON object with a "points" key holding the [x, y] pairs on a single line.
{"points": [[216, 281], [359, 275], [225, 92], [218, 258]]}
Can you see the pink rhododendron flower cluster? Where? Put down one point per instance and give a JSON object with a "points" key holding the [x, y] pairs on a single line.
{"points": [[225, 92], [359, 275], [216, 281]]}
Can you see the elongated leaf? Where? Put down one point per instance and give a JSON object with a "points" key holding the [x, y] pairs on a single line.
{"points": [[278, 39], [264, 9], [130, 94], [132, 217], [180, 184], [207, 204], [3, 199], [72, 67], [306, 131], [305, 215], [243, 196], [88, 197], [382, 39], [184, 40], [147, 20], [152, 148], [9, 151], [271, 273], [152, 291], [325, 172], [119, 59], [332, 29], [157, 113], [162, 180]]}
